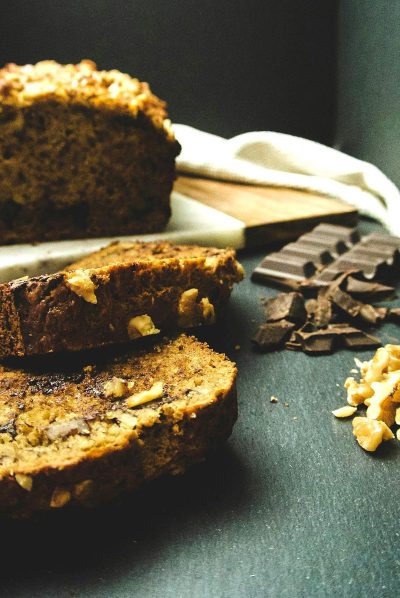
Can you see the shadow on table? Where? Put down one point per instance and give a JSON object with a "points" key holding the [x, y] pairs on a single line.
{"points": [[164, 511]]}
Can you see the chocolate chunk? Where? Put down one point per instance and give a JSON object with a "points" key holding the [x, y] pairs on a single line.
{"points": [[333, 337], [360, 340], [289, 306], [345, 302], [368, 313], [273, 335], [320, 341], [368, 291]]}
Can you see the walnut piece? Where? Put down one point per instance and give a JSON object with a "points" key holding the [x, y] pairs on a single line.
{"points": [[382, 404], [141, 326], [81, 284], [62, 429], [208, 310], [345, 411], [25, 481], [116, 387], [191, 313], [82, 489], [155, 392], [187, 308], [357, 392], [59, 498], [370, 432]]}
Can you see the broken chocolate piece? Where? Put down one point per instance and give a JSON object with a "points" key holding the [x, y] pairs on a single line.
{"points": [[285, 306], [368, 291], [273, 334], [345, 302], [333, 337], [368, 313]]}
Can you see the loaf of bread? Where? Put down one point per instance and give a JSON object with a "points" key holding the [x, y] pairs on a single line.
{"points": [[85, 429], [83, 153], [125, 291]]}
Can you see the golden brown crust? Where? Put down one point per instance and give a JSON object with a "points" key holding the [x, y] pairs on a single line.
{"points": [[119, 293], [65, 440], [82, 84]]}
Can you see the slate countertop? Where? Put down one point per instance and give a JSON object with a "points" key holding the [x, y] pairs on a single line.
{"points": [[291, 507]]}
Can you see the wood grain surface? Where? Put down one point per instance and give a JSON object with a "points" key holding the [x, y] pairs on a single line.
{"points": [[273, 212]]}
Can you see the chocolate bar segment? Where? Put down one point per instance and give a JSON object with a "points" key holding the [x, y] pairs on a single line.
{"points": [[321, 256], [296, 267], [349, 235]]}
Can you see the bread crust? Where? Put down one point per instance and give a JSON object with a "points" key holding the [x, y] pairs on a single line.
{"points": [[90, 305], [192, 418]]}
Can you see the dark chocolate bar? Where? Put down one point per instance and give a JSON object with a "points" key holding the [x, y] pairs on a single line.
{"points": [[321, 256]]}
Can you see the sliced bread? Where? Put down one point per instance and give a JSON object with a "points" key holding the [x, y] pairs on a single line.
{"points": [[109, 421], [122, 292]]}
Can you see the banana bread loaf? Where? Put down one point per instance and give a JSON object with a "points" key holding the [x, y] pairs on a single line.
{"points": [[109, 422], [125, 291], [83, 153]]}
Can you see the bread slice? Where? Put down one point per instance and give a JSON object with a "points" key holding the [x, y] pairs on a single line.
{"points": [[122, 292], [108, 422], [83, 153]]}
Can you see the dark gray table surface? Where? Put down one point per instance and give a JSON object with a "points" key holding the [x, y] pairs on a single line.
{"points": [[291, 507]]}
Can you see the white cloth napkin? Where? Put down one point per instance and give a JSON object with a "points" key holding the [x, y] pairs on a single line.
{"points": [[276, 159]]}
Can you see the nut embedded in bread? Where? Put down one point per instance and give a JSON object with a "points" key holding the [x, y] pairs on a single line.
{"points": [[109, 422], [122, 292], [83, 153]]}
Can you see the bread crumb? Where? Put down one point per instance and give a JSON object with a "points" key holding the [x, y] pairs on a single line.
{"points": [[237, 347], [273, 399], [286, 404]]}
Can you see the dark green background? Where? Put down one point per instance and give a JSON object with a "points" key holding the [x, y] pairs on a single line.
{"points": [[328, 71], [368, 94], [289, 508]]}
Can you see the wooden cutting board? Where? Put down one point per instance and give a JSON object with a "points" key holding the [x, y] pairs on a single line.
{"points": [[269, 214]]}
